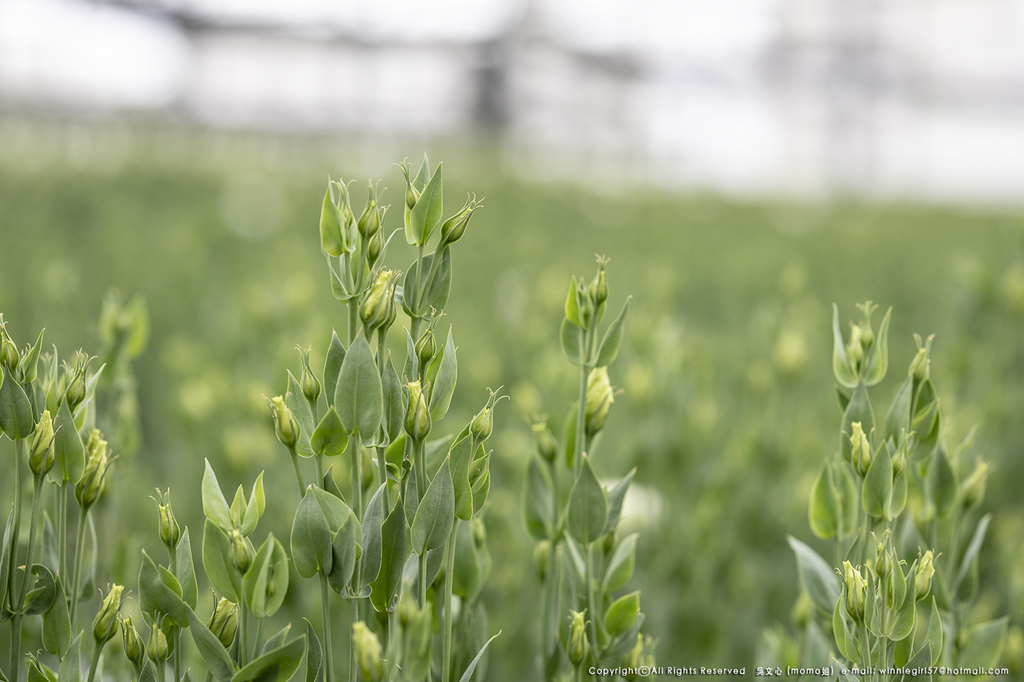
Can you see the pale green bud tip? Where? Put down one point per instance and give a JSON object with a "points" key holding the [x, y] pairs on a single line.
{"points": [[42, 453], [417, 416], [455, 227], [224, 621], [76, 390], [600, 397], [368, 652], [483, 423], [544, 440], [379, 303], [974, 486], [310, 384], [158, 650], [239, 551], [170, 532], [285, 426], [132, 642], [90, 486], [104, 626], [426, 347], [925, 572], [578, 644], [920, 366], [860, 449], [374, 248], [856, 588]]}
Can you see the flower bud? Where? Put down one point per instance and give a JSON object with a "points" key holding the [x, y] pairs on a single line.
{"points": [[883, 563], [598, 291], [640, 656], [90, 486], [855, 349], [368, 652], [239, 552], [158, 650], [600, 397], [374, 248], [35, 669], [483, 423], [9, 356], [309, 383], [426, 348], [454, 228], [925, 572], [285, 426], [856, 587], [899, 461], [369, 222], [920, 366], [974, 487], [867, 338], [104, 625], [77, 390], [417, 416], [578, 644], [541, 555], [224, 621], [132, 642], [42, 453], [379, 301], [860, 449], [544, 440], [170, 532]]}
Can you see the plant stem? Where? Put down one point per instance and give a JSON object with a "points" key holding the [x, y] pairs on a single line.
{"points": [[62, 525], [319, 472], [592, 602], [353, 672], [446, 664], [76, 579], [423, 579], [15, 653], [325, 610], [96, 661], [420, 464], [357, 477], [243, 633], [581, 411], [37, 494], [259, 636], [298, 471]]}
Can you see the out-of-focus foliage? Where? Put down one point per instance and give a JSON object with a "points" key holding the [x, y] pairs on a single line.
{"points": [[725, 371]]}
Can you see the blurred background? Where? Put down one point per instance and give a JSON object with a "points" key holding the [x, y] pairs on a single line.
{"points": [[744, 163]]}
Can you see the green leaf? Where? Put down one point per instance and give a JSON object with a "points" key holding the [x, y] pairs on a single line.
{"points": [[844, 641], [822, 511], [310, 538], [571, 337], [71, 665], [437, 290], [858, 410], [373, 519], [6, 558], [933, 636], [588, 506], [969, 562], [942, 484], [984, 644], [613, 338], [217, 562], [277, 639], [303, 413], [572, 306], [442, 375], [539, 500], [277, 665], [185, 571], [332, 367], [254, 508], [329, 438], [69, 453], [426, 214], [906, 615], [266, 582], [920, 662], [847, 497], [314, 653], [216, 657], [346, 534], [461, 461], [331, 239], [215, 507], [359, 397], [620, 566], [877, 492], [468, 674], [878, 360], [57, 622], [622, 614], [468, 566], [43, 593], [435, 513], [816, 577], [15, 409], [384, 590], [840, 363], [159, 597], [394, 408]]}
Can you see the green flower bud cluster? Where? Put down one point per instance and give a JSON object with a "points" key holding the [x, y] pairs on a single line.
{"points": [[104, 625], [90, 486], [134, 649], [860, 449], [9, 356]]}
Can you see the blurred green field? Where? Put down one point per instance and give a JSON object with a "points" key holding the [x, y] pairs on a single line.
{"points": [[727, 406]]}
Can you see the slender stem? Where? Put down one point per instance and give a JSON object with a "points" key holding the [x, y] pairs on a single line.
{"points": [[382, 466], [953, 562], [423, 579], [319, 471], [76, 579], [420, 464], [96, 661], [353, 671], [446, 664], [62, 524], [581, 411], [37, 494], [353, 319], [298, 471], [865, 645], [357, 477], [259, 637], [176, 655], [325, 610], [592, 602], [243, 633], [579, 673]]}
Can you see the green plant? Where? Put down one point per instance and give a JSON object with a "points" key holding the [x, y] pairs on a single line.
{"points": [[897, 508], [575, 519]]}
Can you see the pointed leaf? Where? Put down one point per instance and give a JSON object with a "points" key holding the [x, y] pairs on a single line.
{"points": [[15, 409], [216, 657], [588, 506], [184, 570], [373, 519], [442, 375], [332, 367], [69, 453], [71, 665], [359, 398], [303, 414], [613, 338], [822, 512], [897, 419], [331, 239], [840, 363], [877, 492], [157, 596], [538, 500], [435, 513], [426, 214], [878, 360], [984, 644], [266, 582], [858, 410], [310, 538], [57, 623], [314, 653], [385, 589], [616, 498], [330, 438], [467, 676], [622, 614], [934, 634], [942, 484], [394, 408], [571, 337], [277, 665], [254, 507], [461, 461], [620, 566], [215, 507], [970, 558], [217, 562], [816, 577]]}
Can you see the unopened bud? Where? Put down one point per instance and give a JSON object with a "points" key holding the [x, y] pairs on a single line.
{"points": [[368, 652], [379, 301], [417, 416], [90, 486], [899, 461], [544, 440], [239, 552], [170, 532], [309, 383], [600, 397], [224, 621], [42, 453], [578, 644], [369, 222], [974, 487], [158, 650], [285, 426], [374, 248], [920, 366], [9, 356], [855, 349], [599, 288], [77, 390], [426, 348], [541, 556], [640, 657], [925, 572], [104, 625], [483, 423], [132, 643], [860, 449], [454, 228], [856, 588]]}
